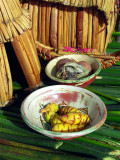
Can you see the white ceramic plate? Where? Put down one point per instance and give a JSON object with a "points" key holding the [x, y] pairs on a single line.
{"points": [[73, 96]]}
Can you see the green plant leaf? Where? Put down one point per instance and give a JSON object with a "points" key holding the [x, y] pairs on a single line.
{"points": [[16, 86]]}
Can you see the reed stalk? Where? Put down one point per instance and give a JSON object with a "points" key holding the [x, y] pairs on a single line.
{"points": [[31, 8], [6, 89], [90, 18], [48, 21], [54, 26], [103, 36], [43, 17], [60, 26], [94, 2], [73, 26], [20, 30], [5, 11], [35, 21], [65, 21], [72, 2], [85, 28], [80, 3], [5, 32], [96, 35], [27, 57], [39, 22], [14, 20], [79, 28], [76, 3], [25, 5], [110, 27], [21, 25], [69, 26]]}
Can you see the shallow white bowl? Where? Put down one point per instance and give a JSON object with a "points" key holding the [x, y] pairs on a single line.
{"points": [[73, 96], [51, 70]]}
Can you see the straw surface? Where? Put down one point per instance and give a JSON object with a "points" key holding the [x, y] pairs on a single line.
{"points": [[5, 78], [14, 20], [74, 23], [27, 57]]}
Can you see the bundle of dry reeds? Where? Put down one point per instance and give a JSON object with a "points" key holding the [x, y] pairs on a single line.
{"points": [[5, 78], [15, 26], [14, 20], [17, 23], [27, 56], [73, 23]]}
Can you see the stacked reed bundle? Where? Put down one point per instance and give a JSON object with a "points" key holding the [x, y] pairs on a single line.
{"points": [[5, 78], [73, 23], [15, 26], [27, 56]]}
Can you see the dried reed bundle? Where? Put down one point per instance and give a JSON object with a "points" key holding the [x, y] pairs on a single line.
{"points": [[69, 27], [109, 30], [5, 8], [65, 25], [67, 2], [54, 26], [80, 28], [25, 5], [85, 3], [85, 28], [15, 26], [47, 26], [35, 20], [90, 3], [60, 26], [10, 15], [20, 30], [96, 35], [102, 28], [103, 2], [21, 26], [87, 33], [4, 31], [5, 78], [94, 2], [106, 2], [99, 3], [29, 34], [27, 57], [80, 3], [31, 8], [39, 23], [110, 26], [76, 3], [43, 17], [43, 48], [73, 26], [72, 2], [90, 18]]}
